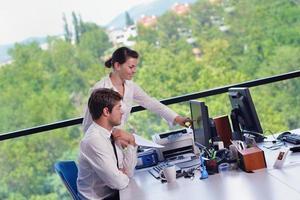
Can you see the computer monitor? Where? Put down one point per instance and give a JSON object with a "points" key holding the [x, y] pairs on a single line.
{"points": [[201, 124], [243, 115]]}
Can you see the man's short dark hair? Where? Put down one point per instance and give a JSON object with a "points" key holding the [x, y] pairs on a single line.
{"points": [[101, 98]]}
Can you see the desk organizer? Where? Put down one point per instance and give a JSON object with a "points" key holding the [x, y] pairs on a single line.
{"points": [[252, 158]]}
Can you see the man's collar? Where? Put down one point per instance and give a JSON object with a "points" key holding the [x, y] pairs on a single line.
{"points": [[106, 132]]}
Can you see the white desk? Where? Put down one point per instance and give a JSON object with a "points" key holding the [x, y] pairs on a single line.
{"points": [[265, 184], [234, 186], [290, 173]]}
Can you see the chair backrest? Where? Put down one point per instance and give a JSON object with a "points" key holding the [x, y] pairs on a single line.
{"points": [[68, 172]]}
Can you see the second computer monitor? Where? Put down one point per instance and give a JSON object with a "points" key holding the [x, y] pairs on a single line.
{"points": [[201, 123], [244, 116]]}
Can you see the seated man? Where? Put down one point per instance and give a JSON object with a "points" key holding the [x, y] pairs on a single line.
{"points": [[104, 168]]}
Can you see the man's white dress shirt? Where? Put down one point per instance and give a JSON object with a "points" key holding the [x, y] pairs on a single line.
{"points": [[98, 174], [133, 93]]}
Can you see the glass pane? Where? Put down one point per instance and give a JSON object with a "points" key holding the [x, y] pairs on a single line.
{"points": [[183, 49]]}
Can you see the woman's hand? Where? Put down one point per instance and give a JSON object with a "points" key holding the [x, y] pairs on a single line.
{"points": [[183, 121]]}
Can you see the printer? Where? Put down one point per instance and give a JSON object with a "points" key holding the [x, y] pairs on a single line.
{"points": [[177, 142]]}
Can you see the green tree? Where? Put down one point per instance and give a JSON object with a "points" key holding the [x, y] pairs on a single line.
{"points": [[67, 32], [96, 41], [76, 26]]}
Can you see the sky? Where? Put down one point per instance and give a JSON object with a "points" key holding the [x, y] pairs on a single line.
{"points": [[38, 18]]}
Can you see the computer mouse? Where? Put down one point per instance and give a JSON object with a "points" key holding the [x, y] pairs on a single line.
{"points": [[281, 135]]}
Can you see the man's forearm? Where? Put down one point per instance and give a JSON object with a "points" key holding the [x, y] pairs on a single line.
{"points": [[130, 160]]}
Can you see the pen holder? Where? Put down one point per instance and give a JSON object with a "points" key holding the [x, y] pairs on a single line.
{"points": [[212, 166], [251, 159]]}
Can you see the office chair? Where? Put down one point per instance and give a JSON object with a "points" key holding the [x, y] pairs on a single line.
{"points": [[68, 172]]}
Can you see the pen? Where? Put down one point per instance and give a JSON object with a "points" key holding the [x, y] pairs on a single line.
{"points": [[241, 145]]}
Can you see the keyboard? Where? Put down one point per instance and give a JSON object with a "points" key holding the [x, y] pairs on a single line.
{"points": [[292, 138], [154, 171]]}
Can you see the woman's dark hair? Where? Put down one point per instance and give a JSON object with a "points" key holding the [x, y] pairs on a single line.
{"points": [[121, 55]]}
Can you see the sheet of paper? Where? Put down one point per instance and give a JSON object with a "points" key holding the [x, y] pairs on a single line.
{"points": [[145, 143]]}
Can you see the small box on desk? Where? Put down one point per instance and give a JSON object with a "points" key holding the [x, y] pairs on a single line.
{"points": [[252, 158]]}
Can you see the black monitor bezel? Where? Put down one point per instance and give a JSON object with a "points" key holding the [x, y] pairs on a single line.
{"points": [[243, 108], [205, 124]]}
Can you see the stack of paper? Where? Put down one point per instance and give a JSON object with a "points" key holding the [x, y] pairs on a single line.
{"points": [[140, 141]]}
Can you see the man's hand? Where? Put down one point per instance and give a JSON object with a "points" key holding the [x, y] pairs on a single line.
{"points": [[123, 143], [123, 137], [124, 171]]}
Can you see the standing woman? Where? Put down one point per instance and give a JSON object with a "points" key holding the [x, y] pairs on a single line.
{"points": [[124, 63]]}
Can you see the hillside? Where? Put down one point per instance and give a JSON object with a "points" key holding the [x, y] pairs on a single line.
{"points": [[3, 52], [4, 56], [157, 8]]}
